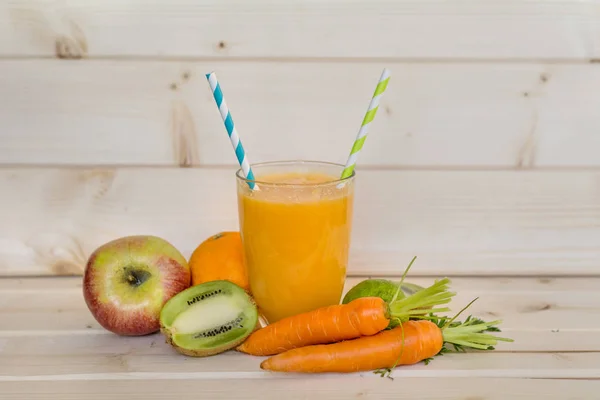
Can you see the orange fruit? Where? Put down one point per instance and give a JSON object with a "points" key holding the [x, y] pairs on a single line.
{"points": [[220, 257]]}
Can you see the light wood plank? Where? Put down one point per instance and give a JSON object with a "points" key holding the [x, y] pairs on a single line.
{"points": [[66, 333], [433, 114], [334, 29], [329, 387], [78, 365], [538, 314], [456, 222]]}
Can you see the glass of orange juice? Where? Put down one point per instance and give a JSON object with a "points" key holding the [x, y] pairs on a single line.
{"points": [[296, 232]]}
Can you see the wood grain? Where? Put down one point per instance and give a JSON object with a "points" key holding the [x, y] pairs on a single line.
{"points": [[166, 365], [433, 115], [328, 29], [42, 316], [330, 387], [456, 222]]}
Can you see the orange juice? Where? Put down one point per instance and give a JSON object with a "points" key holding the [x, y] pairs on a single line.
{"points": [[296, 235]]}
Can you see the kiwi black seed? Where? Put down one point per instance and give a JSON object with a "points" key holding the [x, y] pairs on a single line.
{"points": [[208, 318]]}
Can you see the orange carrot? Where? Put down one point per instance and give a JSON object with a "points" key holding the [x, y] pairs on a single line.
{"points": [[423, 339], [406, 344], [363, 316]]}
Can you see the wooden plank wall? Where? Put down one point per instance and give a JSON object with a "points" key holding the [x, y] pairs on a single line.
{"points": [[483, 159]]}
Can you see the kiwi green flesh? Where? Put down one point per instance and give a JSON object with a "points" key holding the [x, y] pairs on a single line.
{"points": [[209, 318]]}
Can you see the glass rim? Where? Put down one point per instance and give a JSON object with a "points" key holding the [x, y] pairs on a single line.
{"points": [[239, 174]]}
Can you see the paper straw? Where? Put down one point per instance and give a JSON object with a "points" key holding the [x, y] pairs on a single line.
{"points": [[364, 128], [230, 126]]}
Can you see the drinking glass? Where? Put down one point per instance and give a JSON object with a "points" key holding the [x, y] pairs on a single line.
{"points": [[296, 232]]}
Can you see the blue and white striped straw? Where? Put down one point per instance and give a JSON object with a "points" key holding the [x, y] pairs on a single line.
{"points": [[231, 131]]}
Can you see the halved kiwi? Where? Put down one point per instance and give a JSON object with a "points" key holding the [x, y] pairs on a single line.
{"points": [[208, 318]]}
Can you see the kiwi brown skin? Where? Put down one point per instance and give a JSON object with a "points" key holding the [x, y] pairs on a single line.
{"points": [[168, 334]]}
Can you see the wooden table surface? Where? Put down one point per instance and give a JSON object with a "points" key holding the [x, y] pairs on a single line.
{"points": [[51, 347]]}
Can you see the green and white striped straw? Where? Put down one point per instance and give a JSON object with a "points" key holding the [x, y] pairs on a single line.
{"points": [[364, 128]]}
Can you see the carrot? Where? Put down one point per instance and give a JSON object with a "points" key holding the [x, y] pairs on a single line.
{"points": [[363, 316], [409, 343]]}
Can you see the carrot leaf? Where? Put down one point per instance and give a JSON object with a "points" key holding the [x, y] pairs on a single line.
{"points": [[420, 304], [468, 334], [402, 280], [384, 373]]}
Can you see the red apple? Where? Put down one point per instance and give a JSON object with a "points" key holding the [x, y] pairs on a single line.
{"points": [[127, 281]]}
